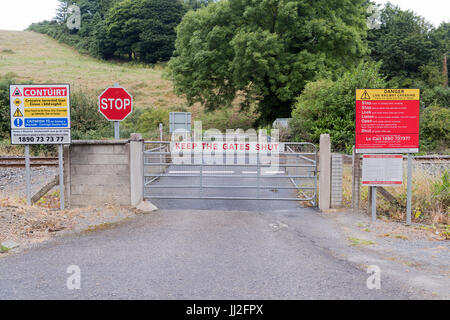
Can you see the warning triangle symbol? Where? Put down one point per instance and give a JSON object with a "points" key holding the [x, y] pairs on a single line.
{"points": [[18, 113], [17, 92], [365, 95]]}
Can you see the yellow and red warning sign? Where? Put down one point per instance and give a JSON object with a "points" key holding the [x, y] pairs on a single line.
{"points": [[387, 94], [387, 120]]}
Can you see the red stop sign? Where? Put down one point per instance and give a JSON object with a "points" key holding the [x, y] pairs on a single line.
{"points": [[115, 103]]}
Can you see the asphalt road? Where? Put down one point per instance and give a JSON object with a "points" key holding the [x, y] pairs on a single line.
{"points": [[197, 255], [232, 250]]}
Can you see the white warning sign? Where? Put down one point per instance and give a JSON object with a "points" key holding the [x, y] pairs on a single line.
{"points": [[40, 114], [382, 169]]}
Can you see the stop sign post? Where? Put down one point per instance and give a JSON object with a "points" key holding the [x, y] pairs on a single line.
{"points": [[115, 104]]}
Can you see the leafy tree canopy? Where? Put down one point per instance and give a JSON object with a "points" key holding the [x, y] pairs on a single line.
{"points": [[144, 29], [403, 43], [264, 51]]}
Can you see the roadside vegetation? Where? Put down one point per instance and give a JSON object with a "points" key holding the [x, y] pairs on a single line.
{"points": [[431, 200]]}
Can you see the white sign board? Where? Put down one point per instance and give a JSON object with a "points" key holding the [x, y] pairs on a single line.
{"points": [[40, 114], [382, 169]]}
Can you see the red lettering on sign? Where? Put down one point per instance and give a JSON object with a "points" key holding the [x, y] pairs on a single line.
{"points": [[44, 92]]}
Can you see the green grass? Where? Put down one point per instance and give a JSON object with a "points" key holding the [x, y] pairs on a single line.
{"points": [[34, 57], [3, 249], [360, 242]]}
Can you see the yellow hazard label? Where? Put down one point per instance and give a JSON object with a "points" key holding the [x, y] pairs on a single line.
{"points": [[46, 112], [17, 102], [45, 102], [18, 113], [387, 94]]}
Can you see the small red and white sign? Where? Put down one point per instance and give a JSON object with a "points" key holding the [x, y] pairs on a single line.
{"points": [[51, 91], [16, 92], [382, 169], [115, 104]]}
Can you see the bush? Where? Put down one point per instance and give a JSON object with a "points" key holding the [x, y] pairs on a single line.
{"points": [[435, 96], [441, 189], [146, 122], [87, 122], [434, 127], [327, 106], [229, 118], [4, 108]]}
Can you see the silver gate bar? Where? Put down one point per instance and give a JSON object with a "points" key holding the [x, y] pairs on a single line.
{"points": [[220, 187], [227, 198]]}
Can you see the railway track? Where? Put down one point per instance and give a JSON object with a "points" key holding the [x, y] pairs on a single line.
{"points": [[432, 159], [429, 159], [19, 162]]}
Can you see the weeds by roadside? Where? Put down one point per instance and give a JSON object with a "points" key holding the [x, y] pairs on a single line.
{"points": [[431, 195], [360, 242]]}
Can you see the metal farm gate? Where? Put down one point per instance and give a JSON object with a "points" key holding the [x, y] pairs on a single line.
{"points": [[238, 176]]}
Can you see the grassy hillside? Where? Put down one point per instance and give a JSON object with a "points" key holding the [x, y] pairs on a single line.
{"points": [[33, 57]]}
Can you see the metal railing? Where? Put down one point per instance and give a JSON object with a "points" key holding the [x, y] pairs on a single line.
{"points": [[292, 178]]}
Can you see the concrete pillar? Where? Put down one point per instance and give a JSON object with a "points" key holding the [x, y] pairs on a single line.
{"points": [[325, 172], [136, 169]]}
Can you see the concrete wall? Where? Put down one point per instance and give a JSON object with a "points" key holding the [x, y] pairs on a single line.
{"points": [[99, 172]]}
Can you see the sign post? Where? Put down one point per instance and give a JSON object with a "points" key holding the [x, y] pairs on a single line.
{"points": [[115, 104], [374, 204], [28, 174], [40, 114], [387, 121], [409, 190], [116, 123]]}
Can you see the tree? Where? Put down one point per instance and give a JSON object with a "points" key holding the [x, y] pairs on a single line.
{"points": [[403, 44], [440, 38], [144, 29], [264, 51], [62, 11], [197, 4], [327, 106]]}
